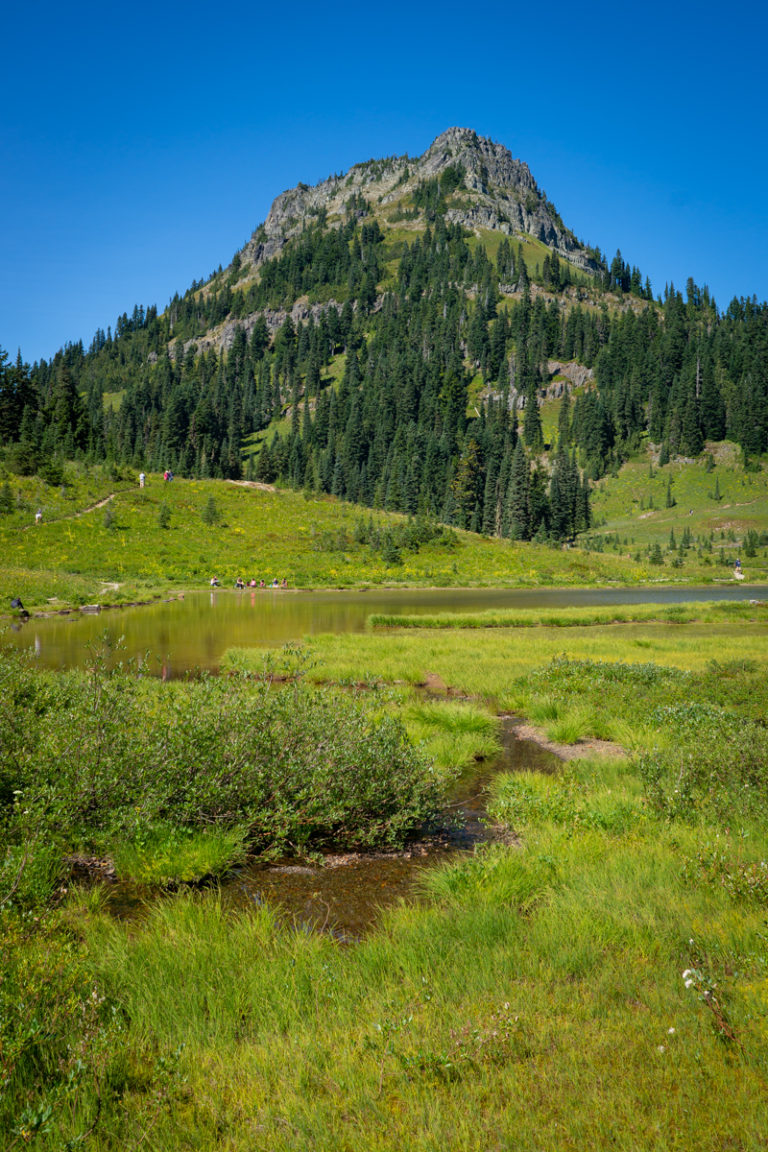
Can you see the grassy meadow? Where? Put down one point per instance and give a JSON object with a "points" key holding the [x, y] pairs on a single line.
{"points": [[103, 540], [599, 982], [599, 979]]}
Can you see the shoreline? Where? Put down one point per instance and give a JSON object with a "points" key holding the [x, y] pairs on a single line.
{"points": [[165, 598]]}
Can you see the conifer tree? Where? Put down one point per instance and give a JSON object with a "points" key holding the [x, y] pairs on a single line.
{"points": [[532, 432], [518, 515]]}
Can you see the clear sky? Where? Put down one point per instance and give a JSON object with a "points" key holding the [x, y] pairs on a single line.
{"points": [[142, 144]]}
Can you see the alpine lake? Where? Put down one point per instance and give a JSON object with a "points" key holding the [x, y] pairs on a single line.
{"points": [[190, 632]]}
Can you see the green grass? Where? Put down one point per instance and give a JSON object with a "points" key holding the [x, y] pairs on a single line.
{"points": [[78, 556], [632, 507], [167, 856], [74, 556], [453, 734], [498, 1013], [702, 612], [599, 983], [487, 662]]}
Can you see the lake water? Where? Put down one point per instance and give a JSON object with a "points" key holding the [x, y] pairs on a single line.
{"points": [[174, 637]]}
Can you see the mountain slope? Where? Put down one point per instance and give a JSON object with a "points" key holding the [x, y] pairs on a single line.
{"points": [[388, 337]]}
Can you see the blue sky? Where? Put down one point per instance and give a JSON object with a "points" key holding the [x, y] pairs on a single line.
{"points": [[141, 145]]}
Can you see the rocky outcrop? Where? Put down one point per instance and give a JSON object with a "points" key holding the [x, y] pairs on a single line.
{"points": [[223, 335], [498, 193], [576, 375]]}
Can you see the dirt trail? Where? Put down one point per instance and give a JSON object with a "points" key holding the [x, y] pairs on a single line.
{"points": [[74, 515], [90, 508]]}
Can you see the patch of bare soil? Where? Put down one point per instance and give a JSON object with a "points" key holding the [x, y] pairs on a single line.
{"points": [[577, 751], [254, 484]]}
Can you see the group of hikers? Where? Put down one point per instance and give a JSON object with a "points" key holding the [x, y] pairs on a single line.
{"points": [[241, 584], [167, 476]]}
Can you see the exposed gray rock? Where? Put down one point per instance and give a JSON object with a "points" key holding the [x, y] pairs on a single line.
{"points": [[576, 374], [499, 194], [222, 337]]}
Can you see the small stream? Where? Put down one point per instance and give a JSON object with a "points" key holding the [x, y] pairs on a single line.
{"points": [[345, 894]]}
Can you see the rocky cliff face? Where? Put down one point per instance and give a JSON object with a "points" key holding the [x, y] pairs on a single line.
{"points": [[498, 193]]}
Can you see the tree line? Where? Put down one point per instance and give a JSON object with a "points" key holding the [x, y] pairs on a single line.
{"points": [[413, 385]]}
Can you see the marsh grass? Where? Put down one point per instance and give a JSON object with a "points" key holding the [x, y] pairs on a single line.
{"points": [[536, 996], [543, 709], [546, 963], [704, 612], [571, 726], [452, 733], [163, 856], [490, 663]]}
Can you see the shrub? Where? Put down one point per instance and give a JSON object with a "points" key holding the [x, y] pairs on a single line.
{"points": [[91, 761]]}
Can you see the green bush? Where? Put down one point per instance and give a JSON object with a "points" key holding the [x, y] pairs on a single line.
{"points": [[91, 762]]}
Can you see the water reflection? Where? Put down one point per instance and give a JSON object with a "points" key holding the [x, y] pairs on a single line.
{"points": [[172, 637]]}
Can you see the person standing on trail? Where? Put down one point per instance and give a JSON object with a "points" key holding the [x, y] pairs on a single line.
{"points": [[142, 478], [39, 516]]}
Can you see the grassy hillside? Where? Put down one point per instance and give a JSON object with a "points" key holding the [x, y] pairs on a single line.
{"points": [[102, 539], [722, 507]]}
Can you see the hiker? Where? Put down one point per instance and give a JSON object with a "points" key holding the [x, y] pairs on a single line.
{"points": [[142, 478], [39, 516]]}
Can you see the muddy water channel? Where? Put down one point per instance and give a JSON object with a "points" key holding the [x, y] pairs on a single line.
{"points": [[345, 894]]}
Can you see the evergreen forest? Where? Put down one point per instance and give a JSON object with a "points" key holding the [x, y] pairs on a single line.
{"points": [[404, 370]]}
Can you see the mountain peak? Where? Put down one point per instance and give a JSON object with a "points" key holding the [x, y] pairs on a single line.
{"points": [[490, 191], [490, 164]]}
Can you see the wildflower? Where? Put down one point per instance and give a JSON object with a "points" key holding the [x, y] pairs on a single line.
{"points": [[670, 1031], [660, 1049]]}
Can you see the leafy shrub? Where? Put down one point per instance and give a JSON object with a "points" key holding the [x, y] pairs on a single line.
{"points": [[106, 758], [721, 865], [722, 772]]}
